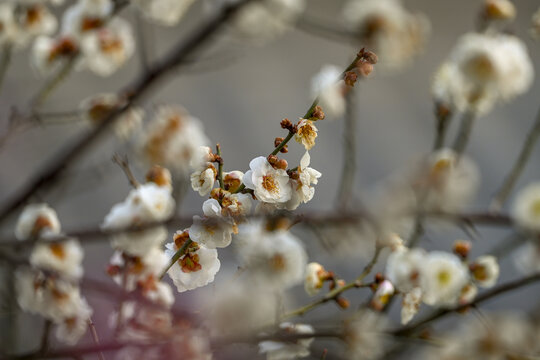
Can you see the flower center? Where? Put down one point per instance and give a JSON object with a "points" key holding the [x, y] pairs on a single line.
{"points": [[535, 208], [269, 183], [58, 251], [277, 262], [481, 67], [190, 263], [443, 277]]}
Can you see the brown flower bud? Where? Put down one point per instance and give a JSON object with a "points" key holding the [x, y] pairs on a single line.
{"points": [[282, 164], [370, 57], [365, 68], [342, 302], [159, 175], [350, 78], [286, 124], [318, 113], [379, 278], [278, 141], [272, 159], [294, 175], [462, 248]]}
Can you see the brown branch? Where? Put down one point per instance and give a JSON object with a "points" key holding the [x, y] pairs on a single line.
{"points": [[328, 218], [501, 289], [132, 93]]}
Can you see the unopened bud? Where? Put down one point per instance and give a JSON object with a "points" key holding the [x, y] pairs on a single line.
{"points": [[462, 248], [499, 10], [343, 303], [282, 164], [272, 159], [350, 78], [365, 68], [370, 57], [287, 124], [318, 113], [379, 277]]}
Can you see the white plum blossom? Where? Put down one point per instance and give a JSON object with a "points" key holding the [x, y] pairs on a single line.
{"points": [[9, 31], [306, 133], [274, 259], [384, 292], [329, 89], [267, 19], [527, 258], [213, 230], [395, 34], [163, 12], [500, 61], [71, 330], [410, 305], [442, 277], [146, 204], [365, 335], [48, 53], [314, 278], [302, 189], [106, 49], [232, 180], [526, 208], [203, 181], [485, 271], [63, 257], [37, 220], [270, 185], [236, 205], [482, 69], [468, 294], [197, 267], [85, 16], [403, 268], [131, 271], [96, 108], [509, 334], [276, 350], [241, 308], [446, 182], [172, 139]]}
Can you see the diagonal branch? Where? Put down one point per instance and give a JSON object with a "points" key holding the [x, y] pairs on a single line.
{"points": [[133, 93]]}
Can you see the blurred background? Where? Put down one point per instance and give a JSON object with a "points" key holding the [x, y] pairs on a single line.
{"points": [[241, 92]]}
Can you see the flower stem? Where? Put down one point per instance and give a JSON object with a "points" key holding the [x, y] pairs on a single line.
{"points": [[5, 60], [177, 255], [357, 283], [443, 120], [349, 152], [517, 169], [95, 337], [54, 82], [464, 134], [220, 167]]}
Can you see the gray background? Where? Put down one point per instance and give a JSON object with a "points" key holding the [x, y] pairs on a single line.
{"points": [[241, 93]]}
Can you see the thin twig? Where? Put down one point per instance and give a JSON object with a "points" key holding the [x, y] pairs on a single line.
{"points": [[124, 165], [443, 120], [5, 60], [95, 337], [177, 255], [345, 189], [501, 289], [44, 345], [464, 134], [512, 177], [332, 295], [220, 167], [133, 93]]}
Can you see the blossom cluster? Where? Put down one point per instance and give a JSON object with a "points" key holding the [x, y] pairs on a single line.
{"points": [[50, 286]]}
